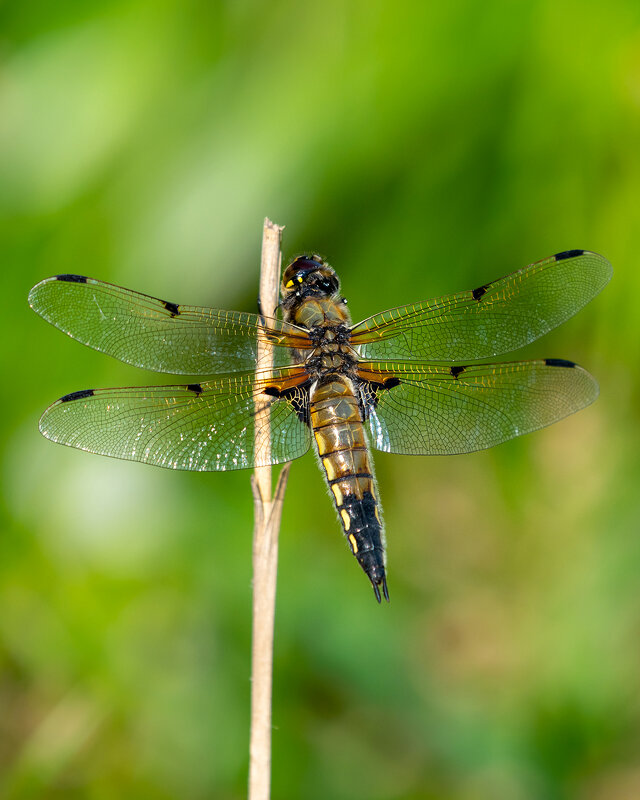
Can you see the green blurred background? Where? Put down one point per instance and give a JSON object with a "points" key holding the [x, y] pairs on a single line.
{"points": [[422, 148]]}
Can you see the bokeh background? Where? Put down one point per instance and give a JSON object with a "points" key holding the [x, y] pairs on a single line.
{"points": [[422, 148]]}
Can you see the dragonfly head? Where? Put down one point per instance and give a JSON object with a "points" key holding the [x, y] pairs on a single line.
{"points": [[309, 275]]}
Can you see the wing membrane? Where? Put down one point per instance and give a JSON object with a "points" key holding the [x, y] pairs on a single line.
{"points": [[492, 319], [159, 335], [445, 410], [205, 427]]}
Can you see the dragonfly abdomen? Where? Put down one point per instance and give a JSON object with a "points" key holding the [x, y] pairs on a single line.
{"points": [[337, 425]]}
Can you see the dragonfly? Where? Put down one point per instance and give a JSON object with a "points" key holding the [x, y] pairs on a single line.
{"points": [[263, 389]]}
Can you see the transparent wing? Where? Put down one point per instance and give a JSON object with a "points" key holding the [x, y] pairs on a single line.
{"points": [[431, 410], [205, 427], [492, 319], [157, 334]]}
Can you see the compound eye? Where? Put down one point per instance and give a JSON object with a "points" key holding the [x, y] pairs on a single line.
{"points": [[330, 285], [299, 269]]}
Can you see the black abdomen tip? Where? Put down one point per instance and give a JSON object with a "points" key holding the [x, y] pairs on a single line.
{"points": [[568, 254]]}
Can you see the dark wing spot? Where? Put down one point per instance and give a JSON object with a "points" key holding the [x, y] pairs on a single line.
{"points": [[455, 371], [369, 393], [77, 395], [559, 362], [568, 254], [173, 308], [477, 293], [72, 278], [368, 397], [297, 396], [195, 387]]}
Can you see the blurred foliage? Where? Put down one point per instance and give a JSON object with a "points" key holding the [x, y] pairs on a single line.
{"points": [[423, 148]]}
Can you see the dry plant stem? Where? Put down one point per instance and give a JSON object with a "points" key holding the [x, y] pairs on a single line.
{"points": [[268, 511]]}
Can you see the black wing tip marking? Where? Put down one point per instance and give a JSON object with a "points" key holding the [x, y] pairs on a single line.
{"points": [[455, 371], [480, 291], [77, 395], [71, 278], [196, 388], [560, 362], [569, 254], [172, 308]]}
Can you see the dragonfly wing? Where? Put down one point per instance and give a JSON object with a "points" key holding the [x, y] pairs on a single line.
{"points": [[205, 427], [157, 334], [495, 318], [421, 409]]}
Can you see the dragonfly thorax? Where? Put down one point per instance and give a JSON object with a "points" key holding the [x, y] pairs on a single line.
{"points": [[328, 323], [331, 360]]}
